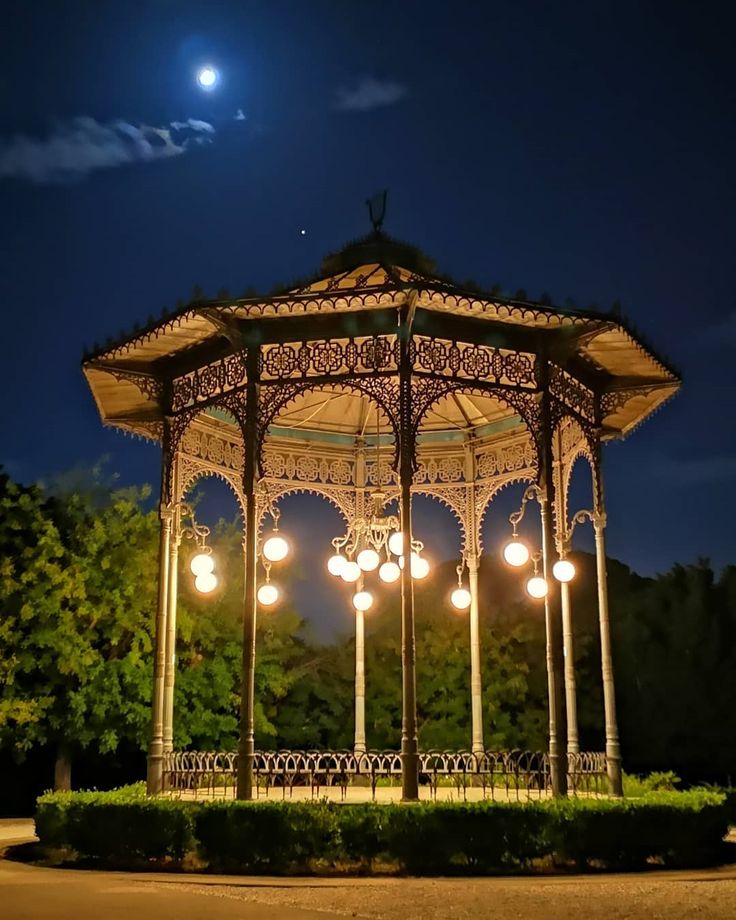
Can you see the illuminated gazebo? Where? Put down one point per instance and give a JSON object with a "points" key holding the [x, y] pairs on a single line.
{"points": [[375, 382]]}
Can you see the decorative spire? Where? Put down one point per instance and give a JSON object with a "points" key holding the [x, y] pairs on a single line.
{"points": [[377, 210]]}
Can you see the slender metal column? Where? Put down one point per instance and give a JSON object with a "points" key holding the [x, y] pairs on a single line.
{"points": [[359, 746], [476, 697], [552, 618], [154, 781], [409, 741], [568, 641], [170, 668], [246, 746], [613, 748]]}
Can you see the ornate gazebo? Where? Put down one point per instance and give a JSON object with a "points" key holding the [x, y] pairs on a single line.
{"points": [[379, 377]]}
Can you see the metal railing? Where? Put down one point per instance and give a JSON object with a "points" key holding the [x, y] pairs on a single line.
{"points": [[513, 775]]}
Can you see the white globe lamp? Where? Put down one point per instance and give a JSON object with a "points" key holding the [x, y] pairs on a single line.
{"points": [[268, 594], [563, 570], [202, 564], [368, 560], [205, 583], [363, 600], [460, 598], [516, 553], [389, 572], [351, 571], [537, 587]]}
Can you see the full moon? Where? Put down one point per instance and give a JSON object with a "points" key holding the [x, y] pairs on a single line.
{"points": [[207, 77]]}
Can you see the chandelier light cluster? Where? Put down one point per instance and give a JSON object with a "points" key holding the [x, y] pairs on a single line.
{"points": [[374, 543], [517, 554]]}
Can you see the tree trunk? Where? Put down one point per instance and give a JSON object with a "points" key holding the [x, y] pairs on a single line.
{"points": [[63, 770]]}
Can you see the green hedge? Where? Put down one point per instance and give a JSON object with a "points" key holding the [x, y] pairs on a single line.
{"points": [[124, 828]]}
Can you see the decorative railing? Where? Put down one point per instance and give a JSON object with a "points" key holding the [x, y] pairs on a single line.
{"points": [[512, 774]]}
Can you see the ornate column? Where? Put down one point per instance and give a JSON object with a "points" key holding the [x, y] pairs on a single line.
{"points": [[552, 619], [472, 543], [409, 741], [613, 748], [476, 695], [568, 650], [359, 744], [246, 746], [154, 778], [568, 639], [170, 666]]}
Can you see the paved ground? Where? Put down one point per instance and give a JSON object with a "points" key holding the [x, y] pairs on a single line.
{"points": [[30, 893]]}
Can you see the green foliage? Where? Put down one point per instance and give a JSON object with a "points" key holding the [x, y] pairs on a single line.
{"points": [[659, 781], [120, 828]]}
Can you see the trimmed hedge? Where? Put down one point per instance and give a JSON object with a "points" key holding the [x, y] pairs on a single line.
{"points": [[123, 828]]}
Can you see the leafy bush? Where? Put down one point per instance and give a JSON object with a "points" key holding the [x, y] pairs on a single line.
{"points": [[660, 781], [123, 828]]}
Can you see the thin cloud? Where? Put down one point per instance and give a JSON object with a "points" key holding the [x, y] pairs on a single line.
{"points": [[369, 94], [700, 470], [83, 145], [239, 115]]}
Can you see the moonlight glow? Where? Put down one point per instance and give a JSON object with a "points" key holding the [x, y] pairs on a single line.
{"points": [[207, 77]]}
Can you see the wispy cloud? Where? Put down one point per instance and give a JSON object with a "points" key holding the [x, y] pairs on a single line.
{"points": [[239, 115], [370, 93], [700, 470], [83, 144]]}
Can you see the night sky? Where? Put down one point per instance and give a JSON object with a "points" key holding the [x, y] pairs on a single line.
{"points": [[585, 150]]}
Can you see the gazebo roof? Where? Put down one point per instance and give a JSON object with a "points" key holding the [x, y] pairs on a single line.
{"points": [[357, 294]]}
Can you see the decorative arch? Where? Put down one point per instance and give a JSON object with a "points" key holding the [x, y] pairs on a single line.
{"points": [[485, 498], [428, 391], [194, 474], [454, 498], [342, 500], [276, 396], [571, 441]]}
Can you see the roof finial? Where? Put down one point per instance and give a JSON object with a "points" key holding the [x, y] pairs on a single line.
{"points": [[377, 209]]}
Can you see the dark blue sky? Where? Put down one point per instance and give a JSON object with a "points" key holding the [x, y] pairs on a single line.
{"points": [[583, 149]]}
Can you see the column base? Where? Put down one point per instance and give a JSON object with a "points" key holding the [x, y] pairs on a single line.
{"points": [[155, 774]]}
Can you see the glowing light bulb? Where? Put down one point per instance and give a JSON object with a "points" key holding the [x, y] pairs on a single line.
{"points": [[460, 598], [276, 548], [268, 594], [335, 564], [368, 560], [516, 553], [396, 543], [418, 566], [389, 572], [202, 564], [205, 583], [563, 570], [351, 571], [537, 587], [363, 600]]}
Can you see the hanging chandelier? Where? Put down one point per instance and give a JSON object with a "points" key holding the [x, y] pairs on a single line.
{"points": [[371, 543]]}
